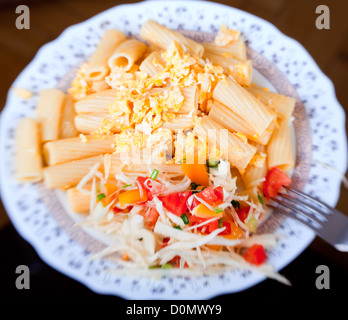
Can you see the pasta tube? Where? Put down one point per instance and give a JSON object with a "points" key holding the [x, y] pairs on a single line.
{"points": [[239, 152], [96, 102], [98, 64], [240, 70], [49, 112], [235, 49], [66, 150], [243, 103], [153, 64], [162, 37], [282, 105], [234, 123], [87, 123], [67, 126], [78, 201], [257, 169], [190, 95], [69, 174], [181, 121], [127, 54], [28, 157], [279, 150]]}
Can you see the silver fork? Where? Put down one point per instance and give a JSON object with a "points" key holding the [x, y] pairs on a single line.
{"points": [[328, 223]]}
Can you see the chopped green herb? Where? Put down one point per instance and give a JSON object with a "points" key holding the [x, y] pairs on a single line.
{"points": [[218, 210], [98, 190], [166, 266], [212, 163], [260, 198], [154, 174], [220, 223], [177, 227], [185, 218], [203, 188], [101, 196], [194, 185], [235, 204], [140, 239], [126, 185], [154, 267]]}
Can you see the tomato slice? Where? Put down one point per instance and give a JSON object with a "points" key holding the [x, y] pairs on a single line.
{"points": [[151, 216], [176, 262], [219, 192], [194, 204], [243, 213], [255, 254], [117, 210], [142, 180], [275, 179], [196, 220], [215, 225], [213, 197], [176, 202]]}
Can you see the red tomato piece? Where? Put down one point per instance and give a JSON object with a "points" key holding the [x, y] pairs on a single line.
{"points": [[194, 204], [151, 216], [213, 197], [215, 225], [117, 210], [219, 192], [195, 220], [275, 179], [176, 202], [176, 262], [243, 213], [141, 181], [255, 255]]}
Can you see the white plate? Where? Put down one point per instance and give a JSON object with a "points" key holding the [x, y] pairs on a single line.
{"points": [[41, 219]]}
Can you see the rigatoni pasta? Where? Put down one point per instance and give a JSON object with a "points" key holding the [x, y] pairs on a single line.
{"points": [[78, 201], [280, 148], [243, 103], [98, 64], [89, 123], [153, 63], [256, 171], [233, 122], [236, 49], [69, 174], [65, 150], [67, 126], [127, 54], [282, 105], [240, 70], [162, 37], [96, 102], [49, 112], [28, 158], [239, 152]]}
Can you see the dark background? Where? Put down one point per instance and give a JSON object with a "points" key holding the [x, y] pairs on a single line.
{"points": [[295, 18]]}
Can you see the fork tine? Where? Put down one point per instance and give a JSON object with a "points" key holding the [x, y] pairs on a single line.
{"points": [[300, 214], [289, 213], [326, 222], [311, 199], [313, 211]]}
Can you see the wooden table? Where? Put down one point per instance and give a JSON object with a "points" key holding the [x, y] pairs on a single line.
{"points": [[295, 18]]}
